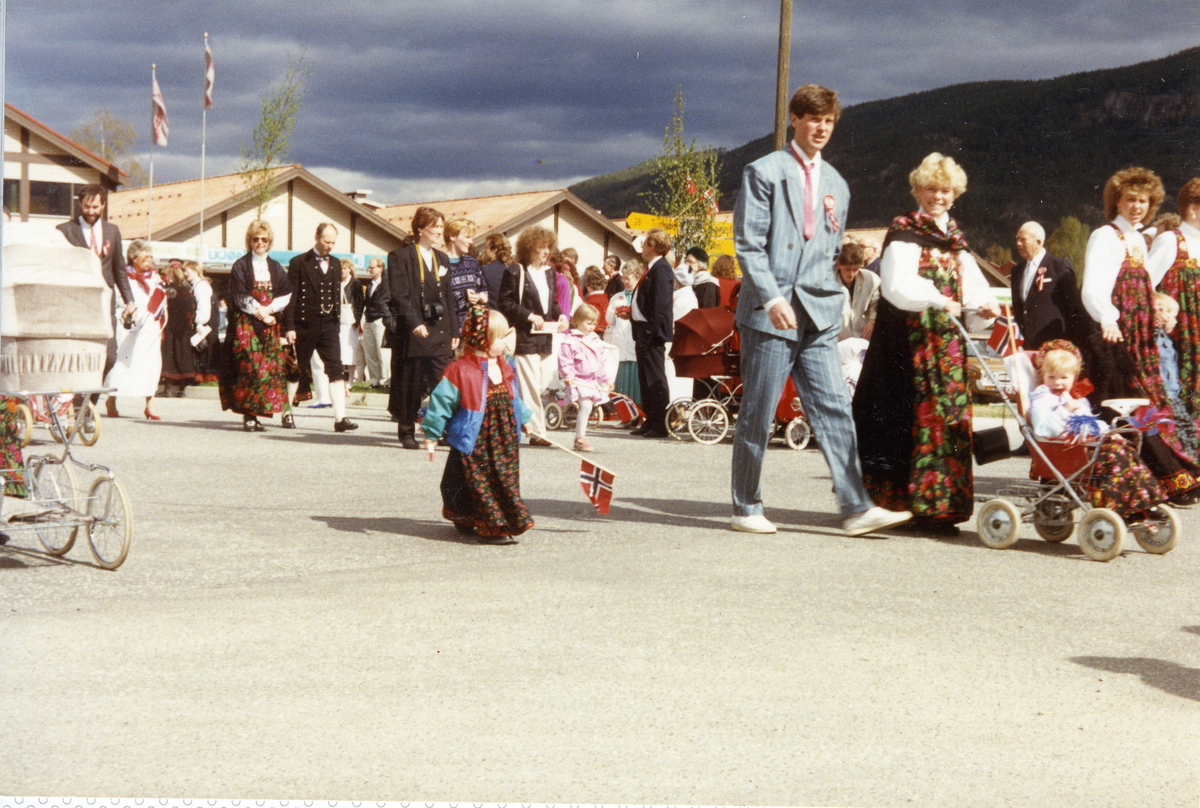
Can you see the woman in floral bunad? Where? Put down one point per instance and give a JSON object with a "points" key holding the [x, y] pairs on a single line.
{"points": [[477, 409], [912, 407], [254, 383], [139, 339], [1174, 267], [1119, 294]]}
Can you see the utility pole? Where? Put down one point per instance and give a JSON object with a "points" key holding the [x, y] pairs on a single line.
{"points": [[781, 83]]}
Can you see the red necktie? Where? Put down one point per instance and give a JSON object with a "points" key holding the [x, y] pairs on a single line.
{"points": [[97, 239]]}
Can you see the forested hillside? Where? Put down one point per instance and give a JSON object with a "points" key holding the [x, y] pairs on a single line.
{"points": [[1032, 149]]}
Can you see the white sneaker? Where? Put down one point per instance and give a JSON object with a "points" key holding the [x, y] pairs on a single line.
{"points": [[873, 519], [754, 523]]}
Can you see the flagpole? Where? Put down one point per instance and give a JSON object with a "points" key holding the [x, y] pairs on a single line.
{"points": [[203, 148], [150, 195]]}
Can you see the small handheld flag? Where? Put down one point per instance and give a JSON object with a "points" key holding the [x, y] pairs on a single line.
{"points": [[625, 408], [1006, 337], [597, 485]]}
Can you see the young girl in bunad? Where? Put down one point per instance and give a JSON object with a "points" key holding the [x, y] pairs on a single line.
{"points": [[1174, 267], [1117, 291], [583, 369], [477, 409]]}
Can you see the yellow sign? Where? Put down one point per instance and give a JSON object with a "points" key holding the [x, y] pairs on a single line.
{"points": [[644, 221]]}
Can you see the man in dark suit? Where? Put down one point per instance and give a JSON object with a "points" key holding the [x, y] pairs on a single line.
{"points": [[91, 232], [653, 327], [1046, 301], [310, 320]]}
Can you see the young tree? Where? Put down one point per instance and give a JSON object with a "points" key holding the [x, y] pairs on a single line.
{"points": [[998, 255], [272, 138], [111, 138], [684, 185], [1069, 240]]}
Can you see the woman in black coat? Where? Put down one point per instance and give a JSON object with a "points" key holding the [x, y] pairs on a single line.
{"points": [[420, 319]]}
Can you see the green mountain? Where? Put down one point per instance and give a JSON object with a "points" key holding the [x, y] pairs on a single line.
{"points": [[1037, 150]]}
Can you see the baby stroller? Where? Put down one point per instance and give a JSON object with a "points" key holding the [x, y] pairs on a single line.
{"points": [[1061, 481], [706, 346]]}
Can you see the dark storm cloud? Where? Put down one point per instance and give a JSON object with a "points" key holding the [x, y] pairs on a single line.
{"points": [[510, 95]]}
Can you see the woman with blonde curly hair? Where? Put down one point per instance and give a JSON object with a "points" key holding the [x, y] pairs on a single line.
{"points": [[1119, 294], [912, 406]]}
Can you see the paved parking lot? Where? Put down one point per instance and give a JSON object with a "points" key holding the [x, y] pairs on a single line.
{"points": [[295, 620]]}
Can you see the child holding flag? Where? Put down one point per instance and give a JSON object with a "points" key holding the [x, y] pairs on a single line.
{"points": [[477, 409], [584, 369]]}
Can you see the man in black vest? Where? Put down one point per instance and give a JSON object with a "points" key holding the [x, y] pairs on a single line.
{"points": [[311, 318], [1046, 301], [91, 232]]}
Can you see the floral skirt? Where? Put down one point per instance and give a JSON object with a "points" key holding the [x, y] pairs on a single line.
{"points": [[1121, 482], [482, 490], [11, 458], [254, 382]]}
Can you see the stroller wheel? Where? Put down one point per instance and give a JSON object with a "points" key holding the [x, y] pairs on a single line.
{"points": [[998, 524], [554, 415], [1159, 533], [797, 433], [1054, 520], [677, 418], [708, 422], [1101, 534]]}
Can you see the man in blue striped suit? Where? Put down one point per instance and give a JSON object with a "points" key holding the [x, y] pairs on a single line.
{"points": [[788, 229]]}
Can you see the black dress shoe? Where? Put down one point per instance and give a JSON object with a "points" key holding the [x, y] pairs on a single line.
{"points": [[344, 425], [656, 432], [287, 422], [538, 440], [1185, 498], [252, 425], [409, 442], [495, 540]]}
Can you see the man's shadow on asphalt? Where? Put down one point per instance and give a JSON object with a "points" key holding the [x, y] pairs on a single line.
{"points": [[301, 434], [1169, 677]]}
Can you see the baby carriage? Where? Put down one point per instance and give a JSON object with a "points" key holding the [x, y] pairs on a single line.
{"points": [[1062, 481], [706, 346]]}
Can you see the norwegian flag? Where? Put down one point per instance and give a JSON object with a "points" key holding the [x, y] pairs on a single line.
{"points": [[158, 109], [597, 485], [209, 75], [711, 198], [1000, 341], [625, 408]]}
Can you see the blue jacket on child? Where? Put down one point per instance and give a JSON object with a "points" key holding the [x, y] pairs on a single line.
{"points": [[456, 405]]}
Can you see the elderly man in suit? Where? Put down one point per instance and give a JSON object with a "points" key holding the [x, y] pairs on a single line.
{"points": [[91, 232], [1046, 300], [311, 319], [788, 228], [653, 321]]}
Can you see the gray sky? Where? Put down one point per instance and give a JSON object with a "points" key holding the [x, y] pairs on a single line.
{"points": [[426, 101]]}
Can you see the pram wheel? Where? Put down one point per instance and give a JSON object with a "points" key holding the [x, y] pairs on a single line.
{"points": [[1101, 533], [1158, 534], [553, 414], [708, 422], [25, 424], [677, 418], [797, 433], [1054, 520], [998, 524]]}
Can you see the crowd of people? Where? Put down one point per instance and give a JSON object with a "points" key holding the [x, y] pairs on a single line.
{"points": [[810, 305]]}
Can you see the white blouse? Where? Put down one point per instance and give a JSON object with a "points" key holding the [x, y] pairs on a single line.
{"points": [[262, 274], [202, 292], [903, 287], [1103, 259], [1165, 250]]}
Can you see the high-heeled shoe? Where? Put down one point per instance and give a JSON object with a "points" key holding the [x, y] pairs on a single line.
{"points": [[111, 405], [151, 416]]}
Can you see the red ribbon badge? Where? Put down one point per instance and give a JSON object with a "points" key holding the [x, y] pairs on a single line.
{"points": [[830, 203], [107, 248], [1041, 278]]}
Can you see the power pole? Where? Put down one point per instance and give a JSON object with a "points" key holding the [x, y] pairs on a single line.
{"points": [[781, 83]]}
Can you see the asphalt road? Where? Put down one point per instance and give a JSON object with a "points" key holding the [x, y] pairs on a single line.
{"points": [[295, 620]]}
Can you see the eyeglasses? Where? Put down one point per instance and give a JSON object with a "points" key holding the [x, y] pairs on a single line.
{"points": [[258, 239]]}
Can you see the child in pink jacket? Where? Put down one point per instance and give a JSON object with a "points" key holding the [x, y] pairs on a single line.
{"points": [[584, 371]]}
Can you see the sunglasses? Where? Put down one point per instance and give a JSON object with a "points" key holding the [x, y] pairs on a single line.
{"points": [[258, 239]]}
